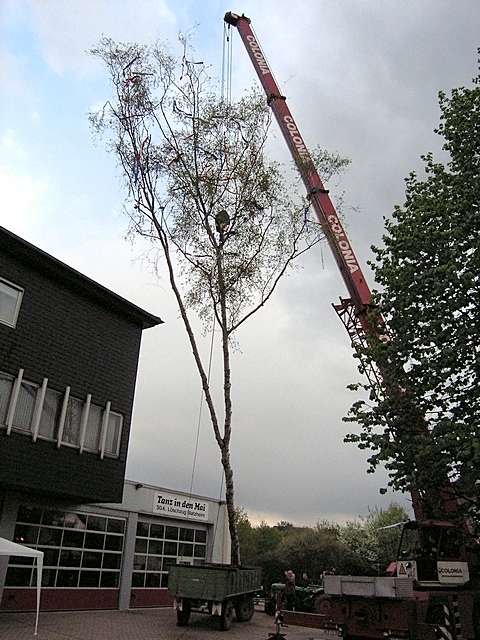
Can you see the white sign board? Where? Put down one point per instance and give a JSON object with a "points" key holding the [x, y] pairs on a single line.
{"points": [[179, 506], [452, 572]]}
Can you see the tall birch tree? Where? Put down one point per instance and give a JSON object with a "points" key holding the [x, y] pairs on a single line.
{"points": [[200, 187]]}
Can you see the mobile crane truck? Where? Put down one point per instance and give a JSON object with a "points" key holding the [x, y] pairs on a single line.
{"points": [[431, 595]]}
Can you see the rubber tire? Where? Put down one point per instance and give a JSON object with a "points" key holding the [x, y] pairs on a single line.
{"points": [[183, 616], [322, 603], [244, 609], [226, 618]]}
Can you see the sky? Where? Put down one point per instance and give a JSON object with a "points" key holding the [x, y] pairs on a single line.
{"points": [[361, 78]]}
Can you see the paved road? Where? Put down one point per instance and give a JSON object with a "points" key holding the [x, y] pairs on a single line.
{"points": [[139, 624]]}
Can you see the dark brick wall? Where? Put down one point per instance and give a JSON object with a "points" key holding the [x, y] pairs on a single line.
{"points": [[72, 339]]}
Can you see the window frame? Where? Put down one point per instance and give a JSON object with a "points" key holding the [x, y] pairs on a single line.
{"points": [[140, 573], [23, 384], [64, 399], [18, 303], [105, 555], [116, 453], [56, 417]]}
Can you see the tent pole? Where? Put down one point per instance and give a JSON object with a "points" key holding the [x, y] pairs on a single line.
{"points": [[39, 587]]}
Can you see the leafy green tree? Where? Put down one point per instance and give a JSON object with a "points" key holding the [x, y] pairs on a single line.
{"points": [[246, 537], [318, 549], [375, 538], [383, 527], [355, 535], [428, 273], [267, 538], [200, 188], [363, 546]]}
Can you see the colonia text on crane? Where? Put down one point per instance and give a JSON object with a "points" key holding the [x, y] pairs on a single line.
{"points": [[257, 52], [343, 243]]}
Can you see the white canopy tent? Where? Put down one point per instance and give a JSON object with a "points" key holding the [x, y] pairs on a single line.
{"points": [[9, 548]]}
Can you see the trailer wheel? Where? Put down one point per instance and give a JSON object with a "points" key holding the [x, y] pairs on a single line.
{"points": [[244, 609], [183, 616], [322, 604], [227, 615]]}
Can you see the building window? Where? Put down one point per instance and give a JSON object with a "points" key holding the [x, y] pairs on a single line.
{"points": [[80, 549], [52, 406], [6, 385], [73, 421], [158, 547], [37, 411], [94, 428], [114, 429], [25, 406], [10, 301]]}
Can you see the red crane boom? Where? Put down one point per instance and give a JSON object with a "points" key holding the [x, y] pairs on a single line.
{"points": [[353, 310], [360, 295], [340, 614]]}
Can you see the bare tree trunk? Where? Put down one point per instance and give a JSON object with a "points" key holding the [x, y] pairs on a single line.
{"points": [[223, 442], [229, 496], [229, 489]]}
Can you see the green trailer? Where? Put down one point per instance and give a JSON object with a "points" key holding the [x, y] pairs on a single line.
{"points": [[216, 589]]}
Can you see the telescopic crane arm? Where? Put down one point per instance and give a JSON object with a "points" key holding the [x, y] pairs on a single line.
{"points": [[353, 311], [360, 295]]}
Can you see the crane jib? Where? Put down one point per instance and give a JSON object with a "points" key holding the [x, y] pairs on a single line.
{"points": [[352, 311], [333, 221], [324, 209]]}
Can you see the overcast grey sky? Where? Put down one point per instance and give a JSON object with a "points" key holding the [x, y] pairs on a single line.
{"points": [[361, 78]]}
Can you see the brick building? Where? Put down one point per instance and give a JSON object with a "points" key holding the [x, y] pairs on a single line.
{"points": [[68, 361], [66, 343]]}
